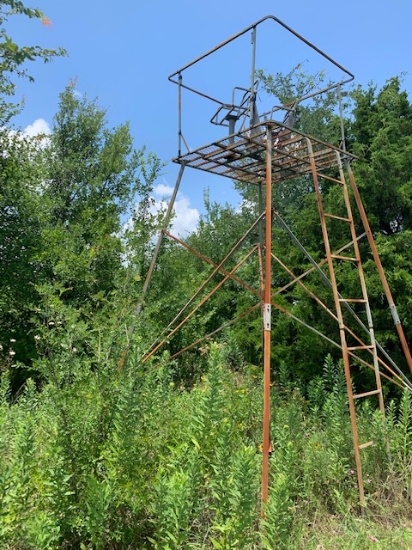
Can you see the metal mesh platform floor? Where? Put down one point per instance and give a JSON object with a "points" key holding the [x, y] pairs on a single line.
{"points": [[242, 156]]}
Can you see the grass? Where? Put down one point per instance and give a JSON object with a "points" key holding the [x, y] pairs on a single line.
{"points": [[332, 532]]}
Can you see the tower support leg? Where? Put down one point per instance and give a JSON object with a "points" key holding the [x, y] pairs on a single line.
{"points": [[146, 284], [266, 312], [382, 276]]}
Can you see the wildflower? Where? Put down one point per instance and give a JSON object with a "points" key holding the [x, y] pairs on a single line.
{"points": [[11, 352], [37, 337], [12, 340], [47, 22], [1, 347], [74, 350], [51, 323]]}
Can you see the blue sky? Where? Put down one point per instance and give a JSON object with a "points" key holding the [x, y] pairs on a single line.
{"points": [[122, 54]]}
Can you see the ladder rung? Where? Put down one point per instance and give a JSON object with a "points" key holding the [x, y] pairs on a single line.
{"points": [[366, 394], [337, 217], [353, 300], [346, 258], [354, 348], [368, 444]]}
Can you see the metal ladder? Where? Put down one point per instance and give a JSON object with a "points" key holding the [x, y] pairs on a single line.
{"points": [[333, 261]]}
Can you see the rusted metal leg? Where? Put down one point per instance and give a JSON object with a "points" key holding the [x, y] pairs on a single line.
{"points": [[267, 319], [375, 253]]}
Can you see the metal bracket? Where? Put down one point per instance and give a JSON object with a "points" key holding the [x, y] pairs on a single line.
{"points": [[394, 312], [267, 315]]}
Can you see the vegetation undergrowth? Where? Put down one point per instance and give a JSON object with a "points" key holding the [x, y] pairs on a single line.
{"points": [[167, 454], [134, 460]]}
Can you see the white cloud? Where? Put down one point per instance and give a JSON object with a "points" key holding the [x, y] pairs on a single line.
{"points": [[163, 190], [186, 218], [39, 126]]}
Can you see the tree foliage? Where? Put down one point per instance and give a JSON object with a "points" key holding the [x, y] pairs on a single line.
{"points": [[13, 56], [63, 205], [383, 177], [164, 453], [382, 135]]}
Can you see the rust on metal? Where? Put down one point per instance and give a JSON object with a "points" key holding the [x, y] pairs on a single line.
{"points": [[376, 257], [267, 297], [264, 152], [244, 158], [396, 378], [216, 331], [362, 281], [325, 308], [218, 267], [203, 300], [342, 332]]}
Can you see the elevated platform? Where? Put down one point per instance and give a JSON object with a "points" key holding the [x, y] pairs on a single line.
{"points": [[242, 156]]}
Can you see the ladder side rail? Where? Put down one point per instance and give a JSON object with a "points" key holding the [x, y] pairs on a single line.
{"points": [[363, 285], [376, 257], [345, 352]]}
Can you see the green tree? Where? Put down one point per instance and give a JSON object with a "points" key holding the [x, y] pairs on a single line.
{"points": [[316, 115], [13, 57], [75, 190], [381, 134], [21, 213], [91, 181], [380, 127]]}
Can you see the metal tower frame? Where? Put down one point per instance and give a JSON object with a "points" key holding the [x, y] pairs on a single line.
{"points": [[263, 152]]}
